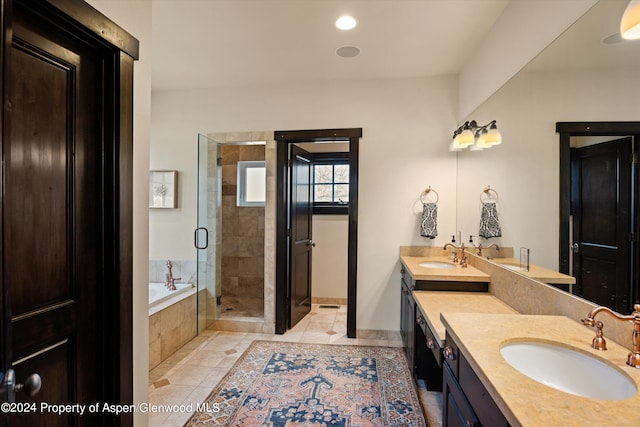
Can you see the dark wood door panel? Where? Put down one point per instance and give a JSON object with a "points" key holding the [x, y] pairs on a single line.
{"points": [[601, 203], [301, 243], [53, 365], [37, 227]]}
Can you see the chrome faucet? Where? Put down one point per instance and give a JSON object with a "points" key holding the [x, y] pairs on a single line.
{"points": [[599, 343], [458, 257], [170, 283], [493, 245]]}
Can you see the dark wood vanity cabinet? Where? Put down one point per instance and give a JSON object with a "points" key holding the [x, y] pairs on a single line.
{"points": [[407, 322], [465, 400]]}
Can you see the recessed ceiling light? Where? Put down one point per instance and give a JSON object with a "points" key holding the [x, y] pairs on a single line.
{"points": [[348, 51], [346, 22]]}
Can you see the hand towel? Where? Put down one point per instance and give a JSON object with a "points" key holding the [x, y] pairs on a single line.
{"points": [[429, 226], [489, 223]]}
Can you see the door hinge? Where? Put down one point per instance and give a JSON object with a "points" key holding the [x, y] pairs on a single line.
{"points": [[634, 158], [288, 232], [290, 163], [633, 237]]}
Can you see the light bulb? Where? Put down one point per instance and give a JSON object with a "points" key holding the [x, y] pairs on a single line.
{"points": [[346, 22]]}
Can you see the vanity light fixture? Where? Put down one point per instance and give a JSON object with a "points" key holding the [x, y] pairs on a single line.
{"points": [[630, 22], [471, 135], [346, 22]]}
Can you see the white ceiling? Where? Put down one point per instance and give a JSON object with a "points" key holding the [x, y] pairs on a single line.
{"points": [[212, 43]]}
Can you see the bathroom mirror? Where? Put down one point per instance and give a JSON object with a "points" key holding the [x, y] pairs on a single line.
{"points": [[586, 74]]}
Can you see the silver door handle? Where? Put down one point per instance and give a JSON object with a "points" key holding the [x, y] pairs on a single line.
{"points": [[575, 248], [311, 243], [9, 388]]}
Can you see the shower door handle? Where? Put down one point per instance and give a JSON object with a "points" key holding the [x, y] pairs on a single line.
{"points": [[206, 238]]}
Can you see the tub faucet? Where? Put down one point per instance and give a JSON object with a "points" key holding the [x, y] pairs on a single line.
{"points": [[633, 359], [170, 283]]}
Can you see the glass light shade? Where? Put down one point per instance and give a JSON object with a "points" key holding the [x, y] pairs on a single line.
{"points": [[476, 147], [466, 138], [453, 146], [481, 143], [493, 137], [630, 22]]}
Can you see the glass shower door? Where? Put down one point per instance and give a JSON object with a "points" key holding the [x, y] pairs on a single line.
{"points": [[207, 236]]}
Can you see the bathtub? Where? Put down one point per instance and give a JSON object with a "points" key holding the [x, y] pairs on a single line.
{"points": [[160, 297]]}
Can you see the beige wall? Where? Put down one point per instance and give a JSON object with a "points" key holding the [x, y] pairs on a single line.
{"points": [[135, 17], [406, 126], [329, 263]]}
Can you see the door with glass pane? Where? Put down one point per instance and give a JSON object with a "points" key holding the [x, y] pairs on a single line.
{"points": [[207, 234]]}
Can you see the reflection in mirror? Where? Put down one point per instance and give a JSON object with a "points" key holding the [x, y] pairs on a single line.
{"points": [[587, 74]]}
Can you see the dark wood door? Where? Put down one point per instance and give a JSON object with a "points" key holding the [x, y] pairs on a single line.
{"points": [[52, 218], [301, 242], [601, 208]]}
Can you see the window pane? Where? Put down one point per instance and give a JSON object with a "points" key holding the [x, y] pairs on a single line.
{"points": [[322, 193], [323, 174], [256, 182], [341, 173], [342, 193]]}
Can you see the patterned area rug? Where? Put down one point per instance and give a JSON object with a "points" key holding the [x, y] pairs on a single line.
{"points": [[291, 384]]}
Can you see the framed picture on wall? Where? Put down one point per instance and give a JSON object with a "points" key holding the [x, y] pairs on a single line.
{"points": [[163, 187]]}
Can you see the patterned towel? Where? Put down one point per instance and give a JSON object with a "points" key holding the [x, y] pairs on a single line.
{"points": [[429, 226], [489, 224]]}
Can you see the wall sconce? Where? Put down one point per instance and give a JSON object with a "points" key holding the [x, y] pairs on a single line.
{"points": [[630, 22], [475, 137]]}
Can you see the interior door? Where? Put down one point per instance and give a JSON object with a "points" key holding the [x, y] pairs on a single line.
{"points": [[601, 208], [301, 243], [52, 218]]}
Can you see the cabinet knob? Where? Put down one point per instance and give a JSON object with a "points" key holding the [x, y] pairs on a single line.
{"points": [[402, 271], [420, 320], [431, 343], [468, 424], [448, 353]]}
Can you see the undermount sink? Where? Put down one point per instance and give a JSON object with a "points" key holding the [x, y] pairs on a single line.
{"points": [[568, 370], [437, 264]]}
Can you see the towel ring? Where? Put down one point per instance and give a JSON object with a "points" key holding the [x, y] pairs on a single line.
{"points": [[486, 191], [427, 191]]}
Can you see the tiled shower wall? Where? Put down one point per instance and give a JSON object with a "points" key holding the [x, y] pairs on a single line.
{"points": [[242, 230]]}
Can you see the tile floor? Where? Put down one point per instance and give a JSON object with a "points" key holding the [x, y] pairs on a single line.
{"points": [[189, 375]]}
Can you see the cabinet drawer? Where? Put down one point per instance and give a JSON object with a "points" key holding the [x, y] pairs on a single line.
{"points": [[485, 408]]}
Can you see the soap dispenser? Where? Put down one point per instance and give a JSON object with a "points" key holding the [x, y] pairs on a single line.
{"points": [[452, 253]]}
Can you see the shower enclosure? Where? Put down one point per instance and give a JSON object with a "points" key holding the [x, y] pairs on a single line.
{"points": [[230, 237]]}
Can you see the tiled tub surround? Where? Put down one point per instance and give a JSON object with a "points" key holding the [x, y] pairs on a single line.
{"points": [[173, 323], [172, 327]]}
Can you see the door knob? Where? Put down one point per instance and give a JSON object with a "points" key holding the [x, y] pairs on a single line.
{"points": [[575, 248], [311, 243], [9, 388]]}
